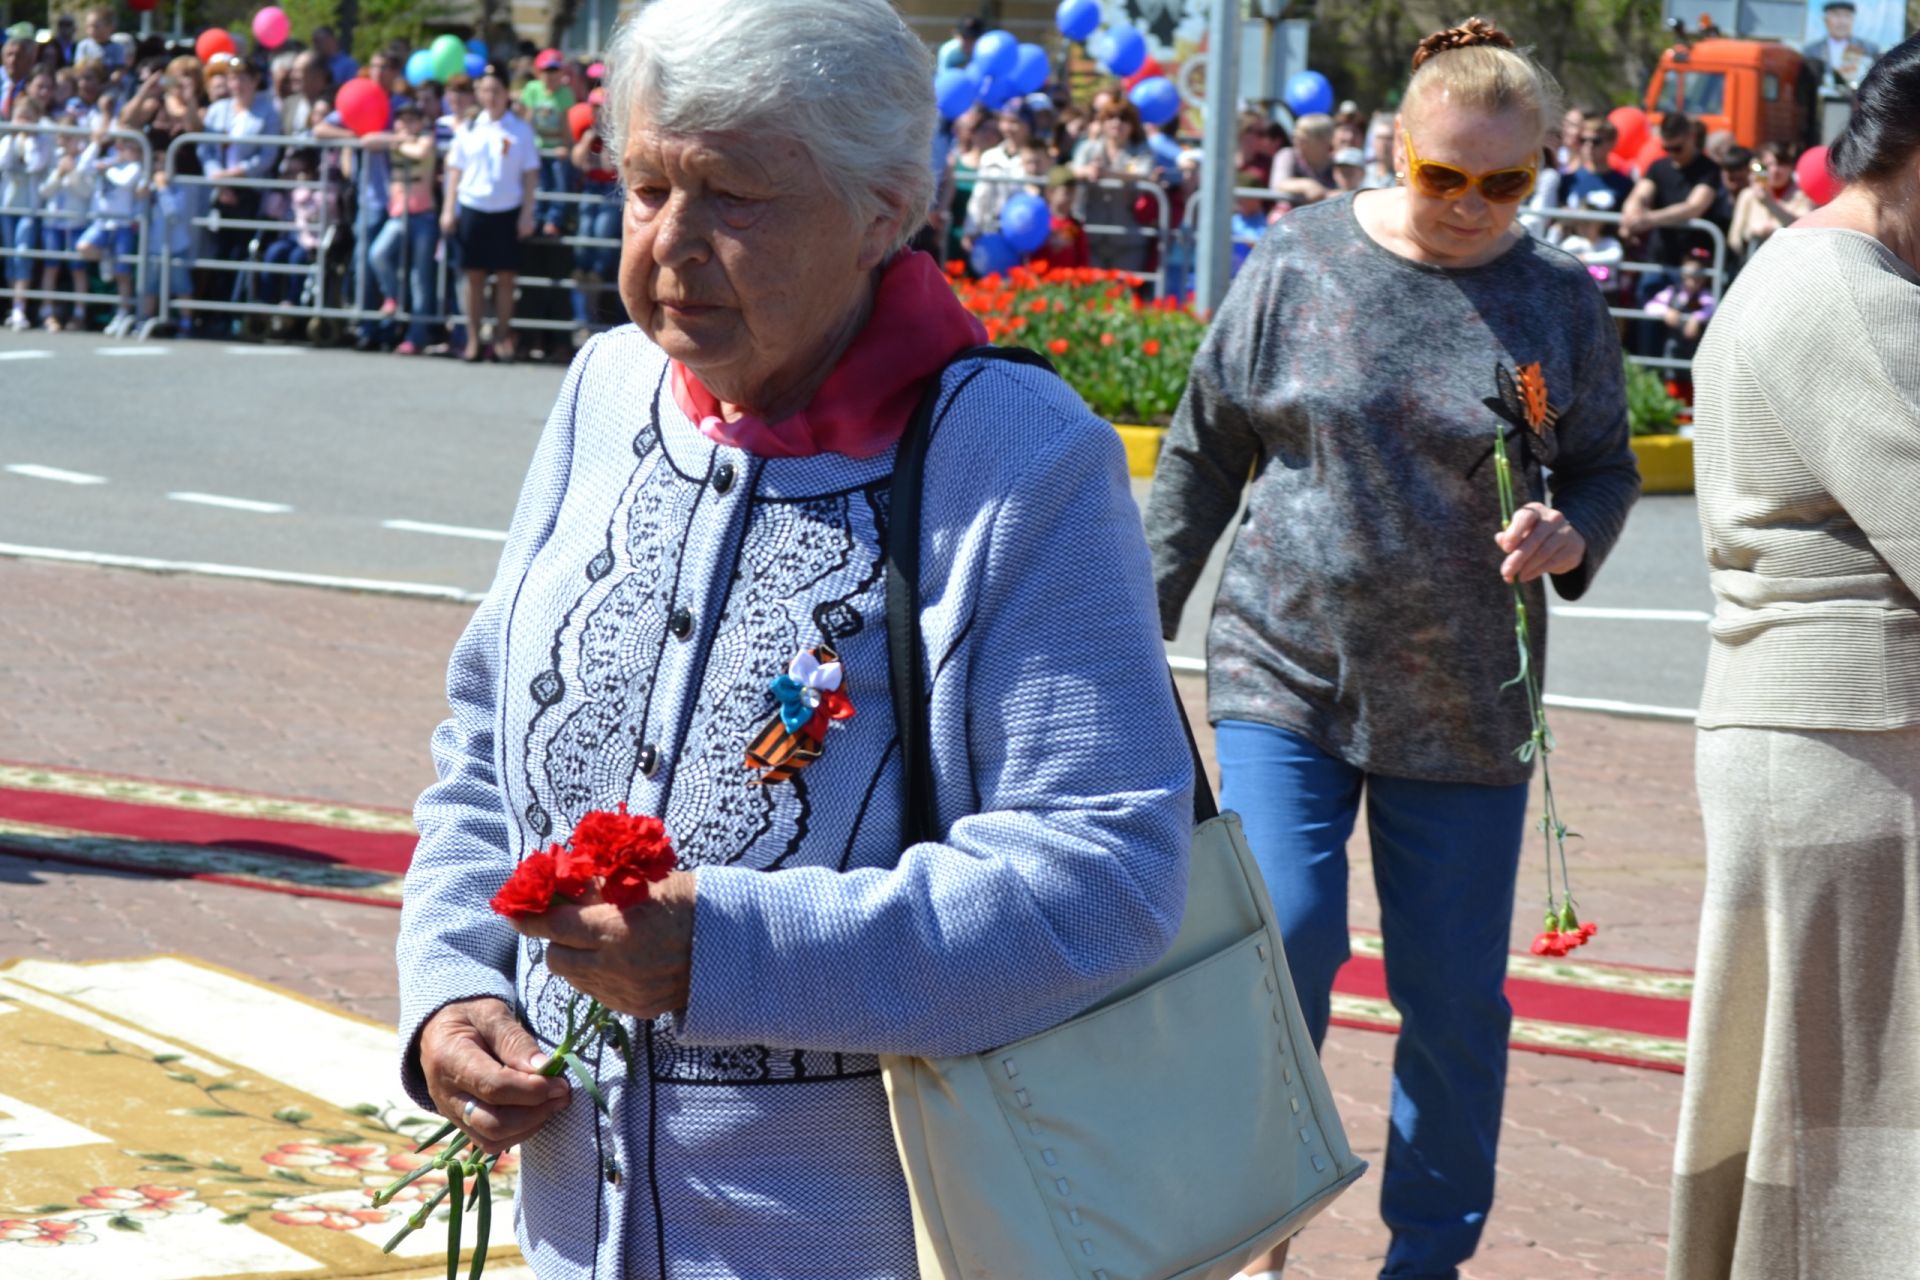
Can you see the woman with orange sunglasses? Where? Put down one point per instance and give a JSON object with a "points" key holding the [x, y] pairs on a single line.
{"points": [[1363, 638]]}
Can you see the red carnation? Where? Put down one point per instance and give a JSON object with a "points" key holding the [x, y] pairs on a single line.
{"points": [[529, 890], [625, 850]]}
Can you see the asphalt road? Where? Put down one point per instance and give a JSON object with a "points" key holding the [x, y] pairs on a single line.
{"points": [[347, 466]]}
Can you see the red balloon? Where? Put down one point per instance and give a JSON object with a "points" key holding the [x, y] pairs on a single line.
{"points": [[363, 106], [1630, 123], [1650, 150], [1816, 177], [1148, 70], [213, 40], [580, 119], [143, 6], [1621, 162]]}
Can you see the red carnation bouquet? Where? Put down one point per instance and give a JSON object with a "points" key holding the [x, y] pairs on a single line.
{"points": [[612, 856]]}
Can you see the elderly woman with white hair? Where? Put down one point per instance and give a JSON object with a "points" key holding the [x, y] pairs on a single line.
{"points": [[709, 502]]}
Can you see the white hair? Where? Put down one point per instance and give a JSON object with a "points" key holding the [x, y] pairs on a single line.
{"points": [[846, 79]]}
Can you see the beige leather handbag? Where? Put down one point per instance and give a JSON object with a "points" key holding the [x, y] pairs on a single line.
{"points": [[1177, 1129]]}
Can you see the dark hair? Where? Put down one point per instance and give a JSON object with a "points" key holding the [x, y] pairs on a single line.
{"points": [[1676, 126], [970, 28], [1737, 157], [1885, 129]]}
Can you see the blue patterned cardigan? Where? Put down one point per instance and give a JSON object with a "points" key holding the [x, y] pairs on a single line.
{"points": [[754, 1142]]}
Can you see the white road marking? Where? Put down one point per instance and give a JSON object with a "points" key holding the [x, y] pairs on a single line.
{"points": [[239, 350], [131, 351], [378, 586], [1631, 615], [1614, 707], [1611, 706], [39, 472], [446, 530], [26, 355], [232, 504]]}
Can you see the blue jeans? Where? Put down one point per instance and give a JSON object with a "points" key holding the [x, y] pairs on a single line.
{"points": [[417, 233], [556, 175], [1444, 859], [366, 228], [599, 220], [21, 234], [279, 286]]}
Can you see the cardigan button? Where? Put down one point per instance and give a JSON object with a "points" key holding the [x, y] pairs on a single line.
{"points": [[723, 476], [649, 760], [680, 623]]}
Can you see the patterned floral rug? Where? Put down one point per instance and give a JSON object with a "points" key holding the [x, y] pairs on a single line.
{"points": [[1604, 1012], [163, 1119]]}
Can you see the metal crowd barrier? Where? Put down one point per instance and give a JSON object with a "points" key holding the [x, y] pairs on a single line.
{"points": [[1717, 272], [71, 258], [1161, 232], [329, 285]]}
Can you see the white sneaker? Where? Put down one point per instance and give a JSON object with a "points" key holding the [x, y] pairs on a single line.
{"points": [[18, 321], [146, 328], [120, 324]]}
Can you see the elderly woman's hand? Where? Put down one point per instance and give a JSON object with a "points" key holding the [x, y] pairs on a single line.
{"points": [[637, 961], [483, 1071], [1539, 541]]}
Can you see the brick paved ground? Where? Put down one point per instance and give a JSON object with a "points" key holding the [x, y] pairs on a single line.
{"points": [[310, 693]]}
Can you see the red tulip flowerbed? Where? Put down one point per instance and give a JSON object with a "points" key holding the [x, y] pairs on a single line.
{"points": [[1128, 359]]}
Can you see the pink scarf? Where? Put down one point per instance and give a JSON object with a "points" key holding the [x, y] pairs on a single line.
{"points": [[917, 326]]}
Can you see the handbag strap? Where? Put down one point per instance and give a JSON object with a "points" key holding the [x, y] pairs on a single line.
{"points": [[907, 675]]}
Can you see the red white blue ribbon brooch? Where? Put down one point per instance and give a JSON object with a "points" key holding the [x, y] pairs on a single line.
{"points": [[810, 699]]}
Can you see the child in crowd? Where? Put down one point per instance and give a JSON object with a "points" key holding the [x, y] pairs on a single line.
{"points": [[1685, 309], [314, 206], [113, 239], [25, 161], [411, 229], [169, 251], [1593, 241], [1349, 169], [65, 197], [1249, 217], [1066, 244]]}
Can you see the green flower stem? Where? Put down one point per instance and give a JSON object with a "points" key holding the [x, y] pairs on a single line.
{"points": [[438, 1162], [1539, 744], [419, 1217]]}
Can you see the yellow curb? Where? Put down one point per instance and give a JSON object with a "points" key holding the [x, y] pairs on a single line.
{"points": [[1666, 463], [1143, 447]]}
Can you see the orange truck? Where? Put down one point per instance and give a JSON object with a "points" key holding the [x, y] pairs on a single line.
{"points": [[1757, 90]]}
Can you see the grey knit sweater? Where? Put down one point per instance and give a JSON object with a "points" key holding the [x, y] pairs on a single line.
{"points": [[1807, 464], [1362, 604]]}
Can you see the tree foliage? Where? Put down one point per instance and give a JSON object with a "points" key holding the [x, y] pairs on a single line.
{"points": [[1602, 51]]}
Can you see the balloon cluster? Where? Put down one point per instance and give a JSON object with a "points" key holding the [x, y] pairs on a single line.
{"points": [[1121, 51], [1002, 71]]}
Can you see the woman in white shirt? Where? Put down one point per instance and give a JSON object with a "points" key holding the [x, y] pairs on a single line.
{"points": [[493, 168]]}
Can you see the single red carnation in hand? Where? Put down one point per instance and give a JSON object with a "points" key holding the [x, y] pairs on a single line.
{"points": [[574, 872], [529, 890]]}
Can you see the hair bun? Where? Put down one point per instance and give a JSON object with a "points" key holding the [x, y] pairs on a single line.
{"points": [[1469, 33]]}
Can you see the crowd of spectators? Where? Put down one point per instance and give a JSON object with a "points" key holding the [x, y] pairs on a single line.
{"points": [[476, 174], [472, 179]]}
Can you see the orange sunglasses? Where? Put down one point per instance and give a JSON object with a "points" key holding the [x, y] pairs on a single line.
{"points": [[1450, 182]]}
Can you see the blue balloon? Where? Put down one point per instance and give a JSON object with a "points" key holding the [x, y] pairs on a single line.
{"points": [[419, 67], [1077, 19], [478, 48], [953, 92], [997, 91], [1120, 50], [476, 64], [1309, 94], [995, 52], [1031, 69], [992, 254], [1156, 99], [1025, 222]]}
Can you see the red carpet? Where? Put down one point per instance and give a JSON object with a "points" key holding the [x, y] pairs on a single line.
{"points": [[1604, 1012]]}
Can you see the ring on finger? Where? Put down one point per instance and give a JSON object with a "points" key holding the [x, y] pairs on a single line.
{"points": [[466, 1112]]}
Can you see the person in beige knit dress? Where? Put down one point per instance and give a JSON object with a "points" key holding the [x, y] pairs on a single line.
{"points": [[1799, 1151]]}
